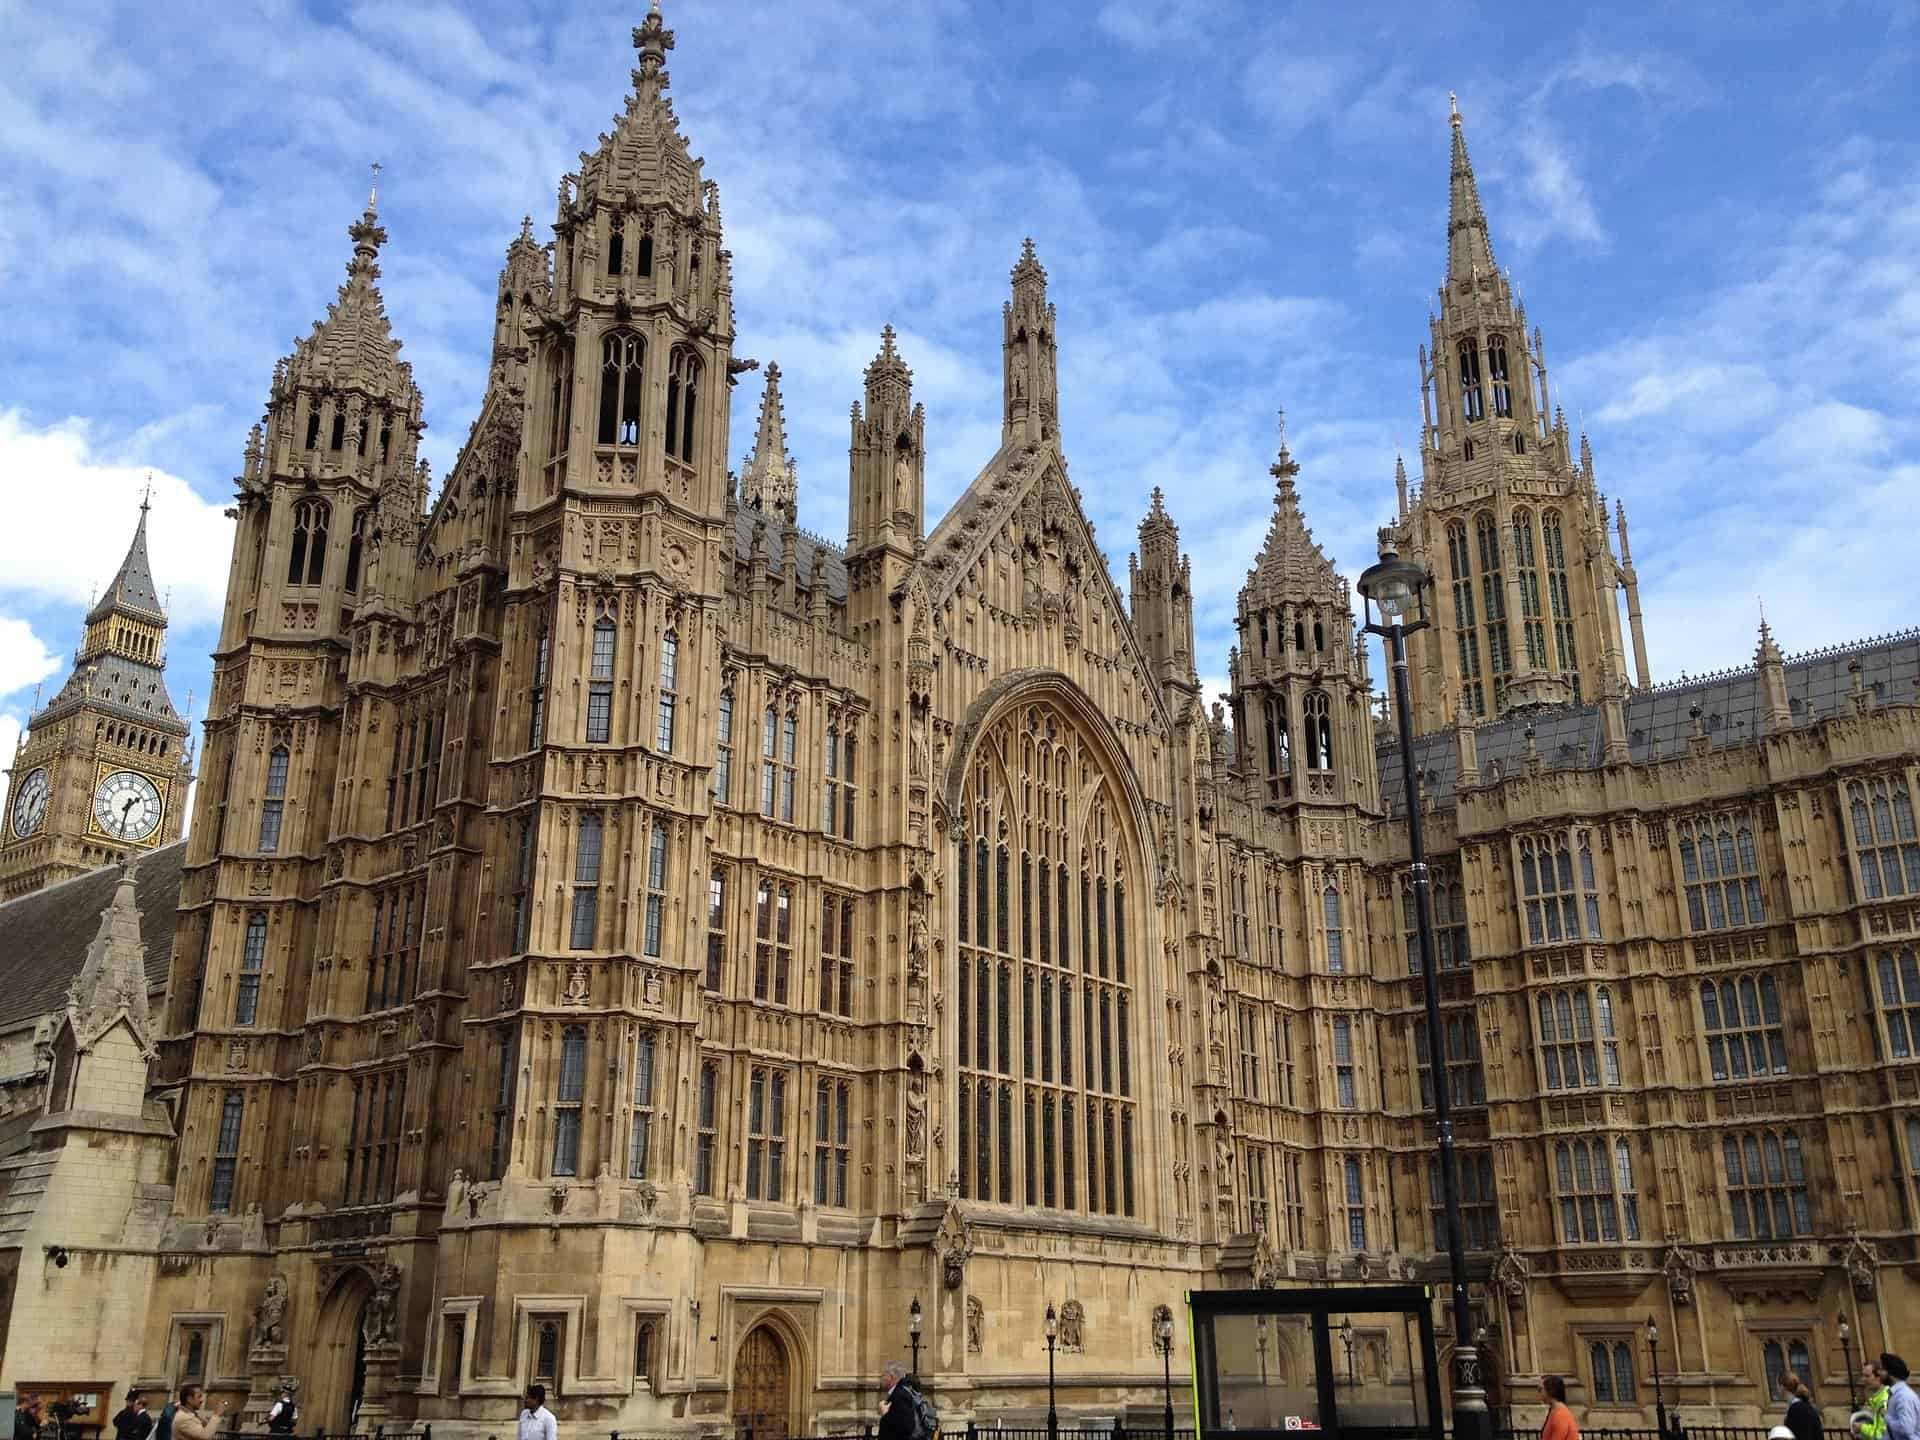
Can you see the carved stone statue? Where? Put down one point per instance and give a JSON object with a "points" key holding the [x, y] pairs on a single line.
{"points": [[1073, 1327], [919, 937], [955, 1245], [1679, 1272], [916, 1119], [377, 1323], [976, 1325], [902, 476], [270, 1315]]}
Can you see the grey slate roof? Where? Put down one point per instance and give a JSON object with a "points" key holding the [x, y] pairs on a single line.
{"points": [[133, 590], [120, 686], [788, 542], [44, 936], [1658, 720]]}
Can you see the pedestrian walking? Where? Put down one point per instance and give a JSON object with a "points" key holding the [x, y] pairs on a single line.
{"points": [[1870, 1420], [27, 1419], [536, 1421], [133, 1422], [1559, 1424], [1903, 1406], [1802, 1419]]}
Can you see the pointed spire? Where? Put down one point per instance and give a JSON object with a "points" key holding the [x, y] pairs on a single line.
{"points": [[132, 590], [1767, 652], [1469, 248], [1284, 467], [354, 345], [888, 377], [1291, 555], [1620, 524], [1029, 277], [1400, 483], [652, 40], [113, 977], [769, 480]]}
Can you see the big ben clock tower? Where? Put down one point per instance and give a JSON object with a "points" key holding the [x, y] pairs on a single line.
{"points": [[103, 769]]}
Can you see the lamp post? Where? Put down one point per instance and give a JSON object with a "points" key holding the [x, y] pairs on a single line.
{"points": [[913, 1335], [1053, 1332], [1659, 1396], [1163, 1342], [1346, 1341], [1846, 1352], [1398, 590]]}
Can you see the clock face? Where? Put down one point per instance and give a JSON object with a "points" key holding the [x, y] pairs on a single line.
{"points": [[30, 803], [127, 805]]}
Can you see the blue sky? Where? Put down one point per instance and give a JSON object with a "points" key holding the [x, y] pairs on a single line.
{"points": [[1712, 211]]}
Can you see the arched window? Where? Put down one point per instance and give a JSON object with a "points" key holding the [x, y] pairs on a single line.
{"points": [[356, 540], [1344, 1093], [1595, 1188], [1279, 745], [622, 375], [307, 551], [616, 244], [1559, 595], [253, 956], [669, 690], [1746, 1033], [1602, 1360], [338, 439], [1493, 606], [1472, 402], [640, 1138], [707, 1121], [537, 692], [226, 1151], [645, 265], [1466, 450], [1356, 1198], [569, 1092], [1319, 730], [1460, 572], [585, 925], [1319, 636], [1777, 1357], [559, 399], [1766, 1184], [1532, 625], [1336, 939], [683, 398], [600, 683], [1497, 373], [1519, 443], [273, 804], [1044, 1007]]}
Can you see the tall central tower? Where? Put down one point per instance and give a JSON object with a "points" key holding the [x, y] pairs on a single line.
{"points": [[1506, 518]]}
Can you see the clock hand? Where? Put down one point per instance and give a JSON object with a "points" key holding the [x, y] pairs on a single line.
{"points": [[132, 800]]}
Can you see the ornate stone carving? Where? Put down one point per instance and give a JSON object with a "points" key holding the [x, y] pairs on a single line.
{"points": [[954, 1242], [976, 1325], [270, 1315], [579, 985], [1073, 1327], [916, 1136], [377, 1324], [1678, 1267]]}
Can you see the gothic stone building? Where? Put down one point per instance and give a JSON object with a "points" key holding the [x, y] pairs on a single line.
{"points": [[630, 943]]}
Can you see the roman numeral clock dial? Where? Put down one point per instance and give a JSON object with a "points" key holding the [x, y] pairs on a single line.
{"points": [[127, 806]]}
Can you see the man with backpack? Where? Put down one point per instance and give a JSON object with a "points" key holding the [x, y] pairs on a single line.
{"points": [[905, 1411]]}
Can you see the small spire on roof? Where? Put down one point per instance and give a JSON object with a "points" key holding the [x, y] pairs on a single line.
{"points": [[373, 190], [1284, 467]]}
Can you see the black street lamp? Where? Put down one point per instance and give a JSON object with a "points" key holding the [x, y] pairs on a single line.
{"points": [[1846, 1352], [1398, 590], [1659, 1396], [1163, 1342], [1053, 1415], [913, 1334], [1346, 1340]]}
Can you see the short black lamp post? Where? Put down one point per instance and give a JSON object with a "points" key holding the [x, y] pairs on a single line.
{"points": [[1346, 1341], [913, 1335], [1053, 1334], [1846, 1353], [1163, 1342], [1659, 1395], [1397, 589]]}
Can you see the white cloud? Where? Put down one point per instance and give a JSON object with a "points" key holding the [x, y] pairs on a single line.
{"points": [[24, 657], [71, 512]]}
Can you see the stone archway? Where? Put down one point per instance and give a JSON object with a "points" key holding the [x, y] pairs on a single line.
{"points": [[762, 1401], [336, 1380]]}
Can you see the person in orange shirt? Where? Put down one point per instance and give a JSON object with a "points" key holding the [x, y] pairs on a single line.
{"points": [[1560, 1424]]}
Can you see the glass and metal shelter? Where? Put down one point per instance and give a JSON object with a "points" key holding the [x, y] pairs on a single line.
{"points": [[1356, 1362]]}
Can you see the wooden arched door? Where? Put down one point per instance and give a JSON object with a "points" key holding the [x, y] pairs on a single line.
{"points": [[762, 1387]]}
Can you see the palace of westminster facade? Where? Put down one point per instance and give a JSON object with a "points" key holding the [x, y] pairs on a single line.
{"points": [[629, 942]]}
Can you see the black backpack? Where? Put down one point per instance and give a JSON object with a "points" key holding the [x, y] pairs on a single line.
{"points": [[926, 1420], [163, 1428]]}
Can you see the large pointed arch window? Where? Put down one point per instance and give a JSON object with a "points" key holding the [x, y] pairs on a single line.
{"points": [[1473, 405], [1559, 595], [1460, 572], [1532, 626], [307, 548], [1493, 594], [1045, 1006], [683, 400], [1317, 716], [1497, 373], [1279, 746], [622, 374]]}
